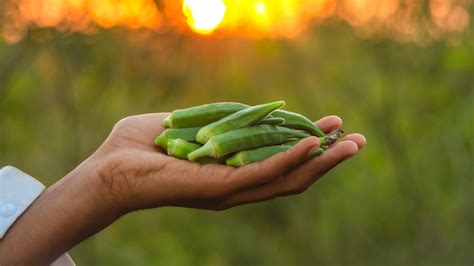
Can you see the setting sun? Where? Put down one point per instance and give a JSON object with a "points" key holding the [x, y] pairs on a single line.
{"points": [[204, 16], [406, 20]]}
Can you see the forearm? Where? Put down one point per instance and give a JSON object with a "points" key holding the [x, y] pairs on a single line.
{"points": [[64, 215]]}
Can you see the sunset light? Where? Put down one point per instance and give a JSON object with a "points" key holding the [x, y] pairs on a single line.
{"points": [[394, 19], [204, 16]]}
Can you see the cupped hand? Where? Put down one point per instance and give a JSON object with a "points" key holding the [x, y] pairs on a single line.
{"points": [[138, 175], [129, 173]]}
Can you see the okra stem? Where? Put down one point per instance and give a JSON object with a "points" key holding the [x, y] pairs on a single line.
{"points": [[207, 150], [331, 138]]}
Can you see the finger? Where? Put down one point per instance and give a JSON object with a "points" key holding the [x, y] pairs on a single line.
{"points": [[153, 120], [357, 138], [328, 160], [281, 163], [274, 166], [296, 181], [143, 128], [329, 123]]}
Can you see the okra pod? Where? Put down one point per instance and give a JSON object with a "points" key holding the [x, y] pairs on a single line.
{"points": [[256, 155], [244, 139], [297, 121], [201, 115], [260, 154], [180, 148], [274, 121], [317, 152], [324, 141], [188, 134], [237, 120], [291, 142], [210, 160]]}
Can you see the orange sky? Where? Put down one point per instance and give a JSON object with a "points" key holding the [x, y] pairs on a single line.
{"points": [[241, 18]]}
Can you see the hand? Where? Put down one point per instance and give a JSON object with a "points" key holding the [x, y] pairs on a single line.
{"points": [[138, 175], [128, 173]]}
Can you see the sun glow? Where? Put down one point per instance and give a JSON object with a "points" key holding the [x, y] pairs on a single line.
{"points": [[204, 16], [403, 20]]}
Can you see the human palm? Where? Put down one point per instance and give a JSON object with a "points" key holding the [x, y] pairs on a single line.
{"points": [[139, 175]]}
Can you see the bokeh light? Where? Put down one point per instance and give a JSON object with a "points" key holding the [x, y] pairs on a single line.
{"points": [[403, 20]]}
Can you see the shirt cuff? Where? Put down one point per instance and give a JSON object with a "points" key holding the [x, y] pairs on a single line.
{"points": [[17, 191]]}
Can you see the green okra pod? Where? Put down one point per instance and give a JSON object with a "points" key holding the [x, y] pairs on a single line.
{"points": [[324, 141], [291, 142], [275, 121], [260, 154], [201, 115], [317, 152], [256, 155], [188, 134], [180, 148], [298, 121], [210, 160], [245, 139], [237, 120]]}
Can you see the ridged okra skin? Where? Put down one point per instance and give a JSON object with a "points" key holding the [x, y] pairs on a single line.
{"points": [[245, 139], [210, 160], [256, 155], [201, 115], [260, 154], [180, 148], [291, 142], [240, 119], [297, 121], [274, 121], [317, 152], [188, 134]]}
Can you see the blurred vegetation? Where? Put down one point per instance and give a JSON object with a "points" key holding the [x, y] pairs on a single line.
{"points": [[406, 199]]}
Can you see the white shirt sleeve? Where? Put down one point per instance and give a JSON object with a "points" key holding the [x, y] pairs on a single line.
{"points": [[17, 191]]}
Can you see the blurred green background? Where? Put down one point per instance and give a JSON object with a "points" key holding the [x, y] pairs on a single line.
{"points": [[406, 199]]}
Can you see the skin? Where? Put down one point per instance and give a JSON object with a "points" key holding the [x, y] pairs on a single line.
{"points": [[129, 173]]}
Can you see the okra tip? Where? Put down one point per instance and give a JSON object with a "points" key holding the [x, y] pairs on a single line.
{"points": [[167, 122], [201, 136], [234, 161], [279, 104], [161, 140]]}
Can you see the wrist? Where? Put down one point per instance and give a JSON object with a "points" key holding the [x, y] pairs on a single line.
{"points": [[91, 190], [65, 214]]}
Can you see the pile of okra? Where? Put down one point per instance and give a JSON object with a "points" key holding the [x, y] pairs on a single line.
{"points": [[237, 134]]}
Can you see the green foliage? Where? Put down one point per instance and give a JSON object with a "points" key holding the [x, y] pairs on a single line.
{"points": [[406, 199]]}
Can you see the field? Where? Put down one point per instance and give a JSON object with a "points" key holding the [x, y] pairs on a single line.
{"points": [[406, 199]]}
